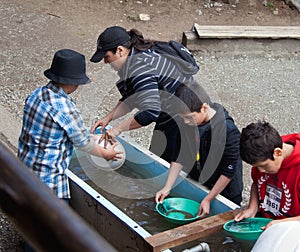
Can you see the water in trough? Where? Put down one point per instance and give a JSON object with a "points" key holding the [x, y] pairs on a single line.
{"points": [[139, 203]]}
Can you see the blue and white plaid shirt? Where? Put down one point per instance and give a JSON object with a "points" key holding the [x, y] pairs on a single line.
{"points": [[51, 127]]}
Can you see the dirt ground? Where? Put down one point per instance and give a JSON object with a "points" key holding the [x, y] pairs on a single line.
{"points": [[168, 18], [34, 29], [31, 30]]}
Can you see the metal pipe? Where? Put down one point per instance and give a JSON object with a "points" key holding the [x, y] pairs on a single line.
{"points": [[44, 220], [203, 246]]}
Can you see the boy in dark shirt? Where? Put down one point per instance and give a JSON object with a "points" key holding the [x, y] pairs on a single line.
{"points": [[218, 164]]}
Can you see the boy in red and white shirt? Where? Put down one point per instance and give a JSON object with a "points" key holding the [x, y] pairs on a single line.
{"points": [[275, 191]]}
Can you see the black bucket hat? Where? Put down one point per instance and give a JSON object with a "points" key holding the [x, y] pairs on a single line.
{"points": [[68, 67], [111, 38]]}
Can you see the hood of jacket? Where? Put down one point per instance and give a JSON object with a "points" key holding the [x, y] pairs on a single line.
{"points": [[294, 158]]}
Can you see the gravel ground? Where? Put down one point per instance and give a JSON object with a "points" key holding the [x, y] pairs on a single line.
{"points": [[251, 87], [256, 87], [10, 240]]}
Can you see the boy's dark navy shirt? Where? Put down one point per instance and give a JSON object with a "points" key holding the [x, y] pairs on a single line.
{"points": [[218, 142]]}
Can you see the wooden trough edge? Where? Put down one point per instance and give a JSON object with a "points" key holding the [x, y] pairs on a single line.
{"points": [[189, 232]]}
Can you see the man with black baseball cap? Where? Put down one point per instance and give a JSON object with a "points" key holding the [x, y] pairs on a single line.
{"points": [[147, 82], [111, 38]]}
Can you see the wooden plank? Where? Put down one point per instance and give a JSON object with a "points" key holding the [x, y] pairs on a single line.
{"points": [[190, 232], [274, 32], [240, 45], [188, 36]]}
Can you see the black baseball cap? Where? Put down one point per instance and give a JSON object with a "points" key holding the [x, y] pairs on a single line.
{"points": [[111, 38]]}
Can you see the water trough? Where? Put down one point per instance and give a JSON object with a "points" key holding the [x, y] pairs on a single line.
{"points": [[121, 228]]}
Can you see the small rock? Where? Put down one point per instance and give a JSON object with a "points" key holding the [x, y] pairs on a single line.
{"points": [[276, 11], [233, 2], [144, 17], [265, 3], [217, 4], [199, 12]]}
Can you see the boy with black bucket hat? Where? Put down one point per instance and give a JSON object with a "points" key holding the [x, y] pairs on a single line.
{"points": [[52, 125]]}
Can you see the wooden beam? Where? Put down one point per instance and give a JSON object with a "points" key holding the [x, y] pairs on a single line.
{"points": [[46, 222], [229, 32], [190, 232]]}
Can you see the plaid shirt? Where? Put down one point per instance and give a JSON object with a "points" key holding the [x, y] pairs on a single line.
{"points": [[51, 126]]}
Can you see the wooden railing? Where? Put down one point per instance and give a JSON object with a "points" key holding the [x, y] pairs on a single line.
{"points": [[44, 220]]}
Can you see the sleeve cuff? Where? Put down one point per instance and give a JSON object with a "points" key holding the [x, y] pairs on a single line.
{"points": [[88, 147]]}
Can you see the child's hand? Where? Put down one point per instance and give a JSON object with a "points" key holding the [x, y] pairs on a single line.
{"points": [[160, 195], [272, 223], [247, 213], [111, 154], [204, 208]]}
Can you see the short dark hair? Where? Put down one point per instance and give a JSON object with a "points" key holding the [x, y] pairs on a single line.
{"points": [[193, 96], [258, 141]]}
